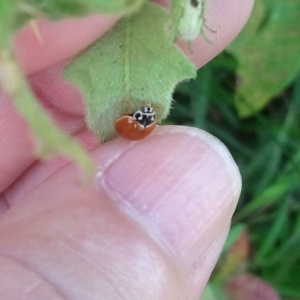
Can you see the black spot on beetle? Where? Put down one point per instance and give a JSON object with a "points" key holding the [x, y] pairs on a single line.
{"points": [[137, 116], [195, 3]]}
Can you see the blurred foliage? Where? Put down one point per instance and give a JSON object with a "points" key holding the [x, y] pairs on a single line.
{"points": [[249, 97], [267, 54], [48, 138]]}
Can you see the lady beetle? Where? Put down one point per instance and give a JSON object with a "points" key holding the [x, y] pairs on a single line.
{"points": [[138, 125]]}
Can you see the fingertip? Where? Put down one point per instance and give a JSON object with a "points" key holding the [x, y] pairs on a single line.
{"points": [[224, 20], [182, 181], [182, 185]]}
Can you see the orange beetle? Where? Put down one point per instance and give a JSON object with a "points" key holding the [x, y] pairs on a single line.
{"points": [[138, 125]]}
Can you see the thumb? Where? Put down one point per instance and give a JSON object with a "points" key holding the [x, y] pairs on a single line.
{"points": [[183, 185], [151, 228]]}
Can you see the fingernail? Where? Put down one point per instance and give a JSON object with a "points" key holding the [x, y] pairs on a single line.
{"points": [[183, 182]]}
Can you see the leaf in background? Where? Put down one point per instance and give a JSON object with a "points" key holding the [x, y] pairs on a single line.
{"points": [[268, 58], [132, 65], [250, 31], [7, 14], [234, 258], [211, 292], [234, 234]]}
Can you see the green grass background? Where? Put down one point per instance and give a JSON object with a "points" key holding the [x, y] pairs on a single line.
{"points": [[249, 97]]}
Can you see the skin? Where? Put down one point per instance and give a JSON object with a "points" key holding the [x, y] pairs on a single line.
{"points": [[128, 235]]}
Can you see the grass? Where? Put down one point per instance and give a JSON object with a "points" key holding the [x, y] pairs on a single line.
{"points": [[266, 149]]}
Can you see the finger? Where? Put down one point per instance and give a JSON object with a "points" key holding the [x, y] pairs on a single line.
{"points": [[57, 93], [58, 40], [39, 172], [16, 144], [227, 19], [25, 284], [159, 213], [16, 147]]}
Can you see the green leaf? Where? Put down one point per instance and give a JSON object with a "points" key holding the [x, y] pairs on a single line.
{"points": [[7, 14], [132, 65], [268, 55], [234, 233], [213, 292], [250, 31]]}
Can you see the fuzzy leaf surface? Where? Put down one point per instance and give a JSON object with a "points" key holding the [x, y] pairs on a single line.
{"points": [[132, 65]]}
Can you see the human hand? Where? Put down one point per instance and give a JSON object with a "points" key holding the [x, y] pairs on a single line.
{"points": [[153, 225]]}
